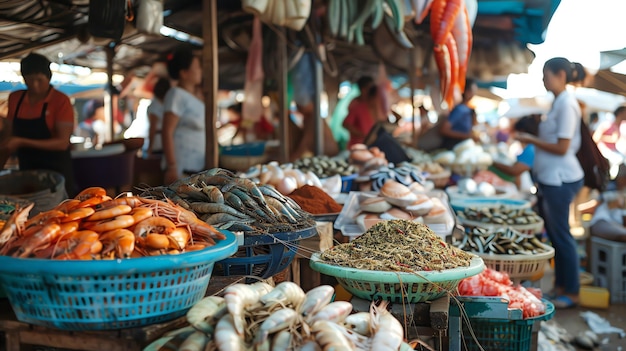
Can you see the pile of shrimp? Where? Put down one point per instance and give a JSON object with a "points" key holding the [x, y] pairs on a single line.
{"points": [[94, 226], [259, 317]]}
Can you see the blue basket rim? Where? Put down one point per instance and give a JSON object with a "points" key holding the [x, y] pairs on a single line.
{"points": [[461, 204], [264, 239], [257, 147], [220, 250], [547, 315]]}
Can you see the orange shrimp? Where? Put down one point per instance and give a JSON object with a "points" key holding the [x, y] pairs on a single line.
{"points": [[120, 241], [44, 218], [68, 228], [119, 222], [14, 226], [90, 202], [185, 217], [43, 237], [141, 213], [154, 225], [67, 205], [196, 247], [442, 59], [78, 214], [179, 238], [132, 201], [81, 246], [462, 33], [156, 241], [88, 193], [110, 212]]}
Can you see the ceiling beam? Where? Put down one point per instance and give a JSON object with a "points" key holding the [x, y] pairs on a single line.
{"points": [[34, 46]]}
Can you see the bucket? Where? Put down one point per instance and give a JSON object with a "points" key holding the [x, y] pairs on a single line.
{"points": [[45, 189]]}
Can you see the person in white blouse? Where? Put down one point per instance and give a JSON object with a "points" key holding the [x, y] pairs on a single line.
{"points": [[183, 133], [559, 174]]}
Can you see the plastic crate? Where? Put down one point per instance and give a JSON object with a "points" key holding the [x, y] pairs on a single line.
{"points": [[608, 266], [494, 325], [109, 294], [401, 287], [263, 255]]}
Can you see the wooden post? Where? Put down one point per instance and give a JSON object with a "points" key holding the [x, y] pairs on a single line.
{"points": [[210, 80], [109, 106], [412, 77], [319, 86], [283, 104]]}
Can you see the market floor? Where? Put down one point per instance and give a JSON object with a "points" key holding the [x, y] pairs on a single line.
{"points": [[572, 321]]}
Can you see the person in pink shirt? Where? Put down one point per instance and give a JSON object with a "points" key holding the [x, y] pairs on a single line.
{"points": [[362, 112], [607, 137]]}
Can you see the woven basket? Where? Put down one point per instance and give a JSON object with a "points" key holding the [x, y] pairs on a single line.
{"points": [[519, 267], [398, 287]]}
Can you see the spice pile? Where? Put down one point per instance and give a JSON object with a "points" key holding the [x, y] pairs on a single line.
{"points": [[314, 200], [398, 245]]}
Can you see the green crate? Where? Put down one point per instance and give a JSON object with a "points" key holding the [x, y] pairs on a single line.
{"points": [[495, 326]]}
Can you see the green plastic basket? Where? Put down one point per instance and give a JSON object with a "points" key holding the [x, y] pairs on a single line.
{"points": [[508, 333], [397, 286]]}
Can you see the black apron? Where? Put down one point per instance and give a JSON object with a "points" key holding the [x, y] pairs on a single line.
{"points": [[31, 158]]}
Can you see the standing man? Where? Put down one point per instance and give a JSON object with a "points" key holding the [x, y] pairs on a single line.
{"points": [[460, 121]]}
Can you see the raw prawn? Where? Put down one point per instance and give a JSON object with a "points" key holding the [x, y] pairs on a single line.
{"points": [[90, 192], [330, 336], [110, 212], [335, 312], [119, 222], [15, 223], [77, 214], [239, 297], [388, 332], [226, 335], [359, 322], [194, 342], [286, 294], [153, 225], [120, 240], [43, 237], [279, 320], [132, 201], [205, 313], [315, 299], [44, 218], [179, 238], [83, 248]]}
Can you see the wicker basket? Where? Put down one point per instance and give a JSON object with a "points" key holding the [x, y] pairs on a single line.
{"points": [[519, 267], [109, 294], [398, 287], [529, 229]]}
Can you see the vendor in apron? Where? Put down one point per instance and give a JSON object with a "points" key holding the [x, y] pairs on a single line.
{"points": [[41, 121]]}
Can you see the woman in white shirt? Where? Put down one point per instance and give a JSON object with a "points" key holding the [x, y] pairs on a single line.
{"points": [[183, 133], [559, 174]]}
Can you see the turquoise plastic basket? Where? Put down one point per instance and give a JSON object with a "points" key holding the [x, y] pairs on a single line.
{"points": [[510, 333], [397, 286], [109, 294]]}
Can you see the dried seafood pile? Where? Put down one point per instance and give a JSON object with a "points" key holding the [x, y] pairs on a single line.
{"points": [[500, 215], [398, 245]]}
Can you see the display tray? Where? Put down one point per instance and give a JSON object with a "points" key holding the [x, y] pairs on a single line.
{"points": [[397, 286], [346, 222], [462, 204]]}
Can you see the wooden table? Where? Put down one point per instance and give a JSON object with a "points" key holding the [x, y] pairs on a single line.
{"points": [[132, 339]]}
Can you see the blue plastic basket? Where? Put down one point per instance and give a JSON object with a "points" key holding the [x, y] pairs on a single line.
{"points": [[248, 149], [263, 255], [109, 294], [347, 182]]}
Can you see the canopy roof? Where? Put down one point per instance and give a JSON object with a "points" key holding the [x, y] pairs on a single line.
{"points": [[59, 30]]}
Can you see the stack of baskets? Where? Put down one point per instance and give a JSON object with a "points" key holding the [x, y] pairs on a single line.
{"points": [[109, 294], [264, 255]]}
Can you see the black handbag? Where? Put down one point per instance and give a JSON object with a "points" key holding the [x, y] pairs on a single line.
{"points": [[593, 163]]}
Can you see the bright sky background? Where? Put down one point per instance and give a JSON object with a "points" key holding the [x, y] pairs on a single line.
{"points": [[578, 31]]}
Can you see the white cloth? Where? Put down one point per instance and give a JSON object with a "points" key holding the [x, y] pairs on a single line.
{"points": [[189, 136], [157, 109], [562, 122]]}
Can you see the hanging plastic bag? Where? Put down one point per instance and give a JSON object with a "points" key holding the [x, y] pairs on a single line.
{"points": [[252, 109], [150, 16]]}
